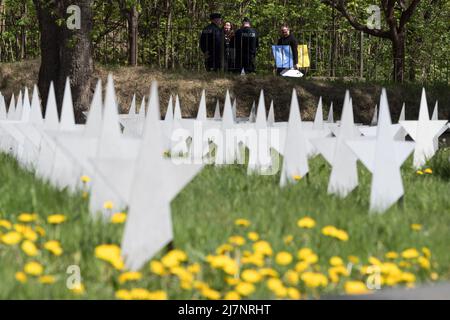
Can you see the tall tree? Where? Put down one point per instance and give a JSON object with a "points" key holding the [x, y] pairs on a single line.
{"points": [[129, 10], [65, 52], [396, 27]]}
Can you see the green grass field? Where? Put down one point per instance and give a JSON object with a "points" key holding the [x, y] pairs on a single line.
{"points": [[204, 217]]}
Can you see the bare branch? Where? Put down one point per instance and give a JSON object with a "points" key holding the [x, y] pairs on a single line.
{"points": [[340, 6], [407, 14]]}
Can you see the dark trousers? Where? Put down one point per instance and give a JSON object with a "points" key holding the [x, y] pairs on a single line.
{"points": [[247, 63], [213, 63]]}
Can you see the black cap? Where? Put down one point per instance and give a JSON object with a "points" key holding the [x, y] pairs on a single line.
{"points": [[215, 15], [246, 20]]}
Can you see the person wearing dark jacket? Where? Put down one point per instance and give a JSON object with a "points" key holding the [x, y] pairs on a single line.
{"points": [[247, 43], [230, 48], [211, 43], [288, 39]]}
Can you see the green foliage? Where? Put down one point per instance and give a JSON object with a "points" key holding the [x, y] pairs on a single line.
{"points": [[440, 164], [169, 32]]}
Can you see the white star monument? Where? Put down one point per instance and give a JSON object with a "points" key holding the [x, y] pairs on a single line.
{"points": [[424, 131], [383, 157]]}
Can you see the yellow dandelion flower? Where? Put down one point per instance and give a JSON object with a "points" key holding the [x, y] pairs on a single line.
{"points": [[419, 172], [355, 287], [224, 248], [40, 230], [251, 276], [11, 238], [404, 264], [29, 248], [144, 294], [293, 293], [123, 294], [288, 239], [244, 288], [242, 222], [303, 253], [334, 277], [291, 277], [391, 255], [157, 295], [79, 289], [410, 253], [256, 259], [5, 224], [130, 276], [274, 284], [194, 268], [434, 276], [54, 247], [253, 236], [56, 219], [262, 247], [85, 179], [426, 252], [333, 232], [374, 261], [314, 279], [342, 235], [232, 281], [21, 277], [33, 268], [173, 258], [110, 253], [428, 170], [353, 259], [108, 205], [280, 292], [47, 279], [268, 272], [139, 294], [232, 295], [336, 261], [118, 218], [283, 258], [306, 222], [157, 268], [416, 227], [236, 240], [296, 177], [408, 277], [301, 266], [210, 293], [29, 233], [424, 263], [27, 217], [329, 230]]}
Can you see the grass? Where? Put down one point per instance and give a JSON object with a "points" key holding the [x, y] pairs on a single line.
{"points": [[203, 217]]}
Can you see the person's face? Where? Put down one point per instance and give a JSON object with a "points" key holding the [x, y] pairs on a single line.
{"points": [[218, 21], [285, 31], [227, 27]]}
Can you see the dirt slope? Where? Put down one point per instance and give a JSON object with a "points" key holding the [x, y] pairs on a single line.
{"points": [[188, 86]]}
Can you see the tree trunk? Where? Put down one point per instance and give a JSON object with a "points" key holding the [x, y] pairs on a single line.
{"points": [[398, 47], [65, 53], [50, 37], [133, 36], [76, 59]]}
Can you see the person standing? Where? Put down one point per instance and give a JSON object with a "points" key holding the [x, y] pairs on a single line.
{"points": [[288, 39], [211, 43], [229, 60], [247, 43]]}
